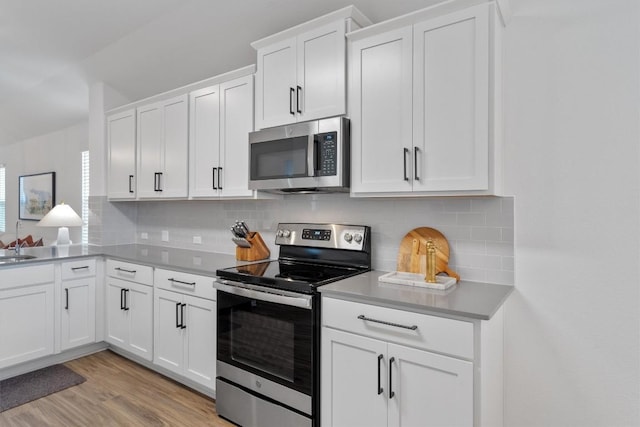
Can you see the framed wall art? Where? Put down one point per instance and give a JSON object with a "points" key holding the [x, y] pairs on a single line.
{"points": [[37, 195]]}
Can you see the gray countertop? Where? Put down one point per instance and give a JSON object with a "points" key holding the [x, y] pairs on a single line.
{"points": [[188, 261], [467, 299]]}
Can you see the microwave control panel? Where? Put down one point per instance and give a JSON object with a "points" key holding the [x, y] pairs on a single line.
{"points": [[326, 154]]}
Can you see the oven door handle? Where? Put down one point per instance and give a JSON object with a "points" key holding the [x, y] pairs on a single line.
{"points": [[241, 289]]}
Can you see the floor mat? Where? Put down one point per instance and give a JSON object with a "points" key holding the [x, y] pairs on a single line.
{"points": [[34, 385]]}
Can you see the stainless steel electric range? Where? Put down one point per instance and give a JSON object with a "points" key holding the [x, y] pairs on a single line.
{"points": [[268, 343]]}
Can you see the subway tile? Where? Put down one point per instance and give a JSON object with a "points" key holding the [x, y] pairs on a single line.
{"points": [[499, 248], [479, 229], [508, 263], [488, 205], [499, 220], [492, 234], [472, 219]]}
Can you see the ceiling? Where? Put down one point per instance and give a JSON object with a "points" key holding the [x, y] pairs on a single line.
{"points": [[52, 51]]}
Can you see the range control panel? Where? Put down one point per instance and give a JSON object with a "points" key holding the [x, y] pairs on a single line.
{"points": [[337, 236]]}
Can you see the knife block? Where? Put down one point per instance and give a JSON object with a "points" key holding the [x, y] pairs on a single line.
{"points": [[257, 251]]}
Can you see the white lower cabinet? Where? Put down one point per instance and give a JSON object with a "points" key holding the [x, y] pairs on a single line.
{"points": [[129, 309], [388, 367], [26, 313], [368, 382], [185, 326], [78, 303]]}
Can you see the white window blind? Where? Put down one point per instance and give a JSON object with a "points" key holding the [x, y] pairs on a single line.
{"points": [[85, 197], [3, 214]]}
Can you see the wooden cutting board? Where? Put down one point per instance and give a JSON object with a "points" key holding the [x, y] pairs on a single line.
{"points": [[412, 255]]}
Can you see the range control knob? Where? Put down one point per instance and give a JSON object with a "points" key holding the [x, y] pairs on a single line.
{"points": [[357, 238], [348, 237], [286, 233], [279, 233]]}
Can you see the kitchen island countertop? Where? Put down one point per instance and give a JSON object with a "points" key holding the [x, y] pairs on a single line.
{"points": [[466, 299]]}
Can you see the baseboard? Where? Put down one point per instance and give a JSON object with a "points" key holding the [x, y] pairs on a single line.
{"points": [[165, 372], [53, 359]]}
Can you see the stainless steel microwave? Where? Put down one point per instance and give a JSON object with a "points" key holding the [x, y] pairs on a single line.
{"points": [[304, 157]]}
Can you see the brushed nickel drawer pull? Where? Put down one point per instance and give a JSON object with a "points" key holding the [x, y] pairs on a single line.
{"points": [[80, 268], [125, 271], [397, 325], [182, 283]]}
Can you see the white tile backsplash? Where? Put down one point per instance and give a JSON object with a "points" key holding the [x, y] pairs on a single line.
{"points": [[479, 230]]}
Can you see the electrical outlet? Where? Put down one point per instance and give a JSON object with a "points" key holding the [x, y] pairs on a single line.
{"points": [[165, 235], [197, 240], [144, 236]]}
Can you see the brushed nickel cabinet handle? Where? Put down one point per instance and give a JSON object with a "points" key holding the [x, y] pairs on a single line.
{"points": [[383, 322]]}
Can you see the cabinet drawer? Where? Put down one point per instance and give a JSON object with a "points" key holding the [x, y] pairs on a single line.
{"points": [[433, 333], [21, 276], [132, 272], [185, 283], [78, 269]]}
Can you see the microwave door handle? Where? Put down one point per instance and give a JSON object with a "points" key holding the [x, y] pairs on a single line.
{"points": [[311, 155]]}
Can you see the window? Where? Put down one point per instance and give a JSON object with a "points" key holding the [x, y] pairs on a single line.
{"points": [[85, 197], [3, 219]]}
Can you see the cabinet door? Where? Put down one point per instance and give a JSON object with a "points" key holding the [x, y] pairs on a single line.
{"points": [[168, 331], [236, 121], [200, 340], [150, 148], [380, 105], [321, 72], [204, 141], [117, 332], [26, 323], [78, 320], [139, 301], [276, 84], [173, 182], [429, 389], [121, 144], [354, 380], [451, 102]]}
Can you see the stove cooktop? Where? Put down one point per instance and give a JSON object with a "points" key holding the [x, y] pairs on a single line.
{"points": [[311, 255], [292, 276]]}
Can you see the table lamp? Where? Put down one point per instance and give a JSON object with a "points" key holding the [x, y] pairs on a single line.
{"points": [[63, 217]]}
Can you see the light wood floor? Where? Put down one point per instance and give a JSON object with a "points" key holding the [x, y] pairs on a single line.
{"points": [[117, 392]]}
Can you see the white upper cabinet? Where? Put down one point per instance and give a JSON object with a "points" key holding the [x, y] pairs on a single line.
{"points": [[121, 146], [221, 117], [276, 84], [451, 102], [424, 100], [204, 141], [302, 71], [162, 134], [236, 121], [380, 107]]}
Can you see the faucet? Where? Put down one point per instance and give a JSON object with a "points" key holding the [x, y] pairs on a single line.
{"points": [[16, 248]]}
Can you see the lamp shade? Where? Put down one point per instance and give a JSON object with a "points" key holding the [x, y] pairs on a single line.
{"points": [[61, 216]]}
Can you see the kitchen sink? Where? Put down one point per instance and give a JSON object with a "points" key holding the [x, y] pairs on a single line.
{"points": [[15, 258]]}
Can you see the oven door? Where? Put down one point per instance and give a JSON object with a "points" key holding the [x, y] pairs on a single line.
{"points": [[267, 335]]}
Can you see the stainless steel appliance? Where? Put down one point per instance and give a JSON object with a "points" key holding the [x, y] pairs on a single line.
{"points": [[268, 343], [304, 157]]}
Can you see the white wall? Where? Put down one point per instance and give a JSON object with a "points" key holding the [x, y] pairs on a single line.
{"points": [[58, 152], [571, 102]]}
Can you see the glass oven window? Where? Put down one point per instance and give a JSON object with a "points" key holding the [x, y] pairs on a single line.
{"points": [[272, 340], [285, 158], [263, 342]]}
